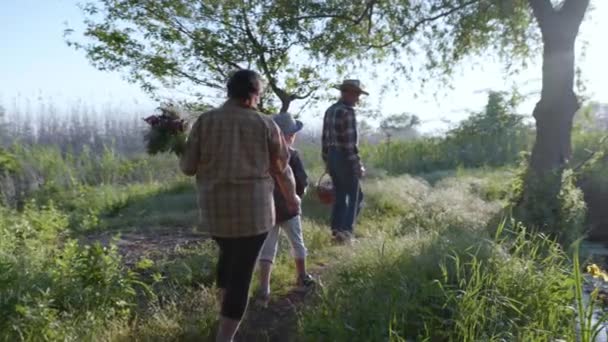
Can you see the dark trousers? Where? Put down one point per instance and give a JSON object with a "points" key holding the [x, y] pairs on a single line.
{"points": [[235, 267], [348, 194]]}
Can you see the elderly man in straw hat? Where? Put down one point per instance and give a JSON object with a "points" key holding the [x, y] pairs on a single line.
{"points": [[341, 157]]}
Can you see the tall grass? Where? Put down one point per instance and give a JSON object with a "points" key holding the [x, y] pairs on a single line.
{"points": [[591, 320], [424, 254], [454, 287]]}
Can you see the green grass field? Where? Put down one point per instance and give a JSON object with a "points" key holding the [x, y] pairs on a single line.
{"points": [[123, 261], [106, 248]]}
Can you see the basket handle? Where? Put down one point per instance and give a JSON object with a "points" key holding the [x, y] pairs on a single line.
{"points": [[321, 178]]}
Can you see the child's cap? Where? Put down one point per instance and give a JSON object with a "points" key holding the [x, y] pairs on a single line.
{"points": [[287, 123]]}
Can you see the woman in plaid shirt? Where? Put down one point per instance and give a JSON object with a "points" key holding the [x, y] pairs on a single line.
{"points": [[235, 153]]}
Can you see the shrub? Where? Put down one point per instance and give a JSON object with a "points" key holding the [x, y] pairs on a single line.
{"points": [[493, 137], [52, 289], [8, 162], [559, 211]]}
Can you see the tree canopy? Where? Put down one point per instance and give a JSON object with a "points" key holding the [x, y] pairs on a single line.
{"points": [[196, 44], [494, 136], [444, 32], [400, 125], [295, 45]]}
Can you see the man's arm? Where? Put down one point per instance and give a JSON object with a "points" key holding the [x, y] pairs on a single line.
{"points": [[324, 139], [190, 158], [348, 137], [280, 169]]}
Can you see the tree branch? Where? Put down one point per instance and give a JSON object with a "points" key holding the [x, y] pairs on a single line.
{"points": [[178, 26], [357, 20], [209, 14], [543, 11], [575, 10], [196, 79], [302, 97], [217, 56], [418, 24], [282, 94]]}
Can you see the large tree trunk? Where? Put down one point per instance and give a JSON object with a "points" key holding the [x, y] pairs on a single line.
{"points": [[554, 114], [555, 110], [558, 103], [285, 102]]}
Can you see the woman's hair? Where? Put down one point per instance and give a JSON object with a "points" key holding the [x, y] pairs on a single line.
{"points": [[244, 83]]}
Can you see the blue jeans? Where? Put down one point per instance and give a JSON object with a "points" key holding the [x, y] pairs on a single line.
{"points": [[348, 195]]}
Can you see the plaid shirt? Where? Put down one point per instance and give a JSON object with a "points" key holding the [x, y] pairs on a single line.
{"points": [[235, 152], [340, 131]]}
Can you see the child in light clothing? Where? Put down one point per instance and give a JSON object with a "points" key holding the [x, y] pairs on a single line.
{"points": [[289, 222]]}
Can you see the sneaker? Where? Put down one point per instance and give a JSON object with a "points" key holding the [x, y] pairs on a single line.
{"points": [[337, 236], [305, 282], [262, 298], [347, 238], [343, 237]]}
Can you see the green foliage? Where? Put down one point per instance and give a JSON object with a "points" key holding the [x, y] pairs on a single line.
{"points": [[424, 255], [199, 43], [189, 266], [589, 324], [473, 292], [402, 124], [494, 137], [53, 289], [92, 278], [49, 171], [63, 291], [444, 31], [559, 212], [412, 156], [8, 162], [590, 158]]}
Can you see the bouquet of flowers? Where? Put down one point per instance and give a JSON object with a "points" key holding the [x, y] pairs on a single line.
{"points": [[167, 132]]}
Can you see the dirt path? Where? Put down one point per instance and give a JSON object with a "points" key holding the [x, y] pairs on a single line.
{"points": [[135, 245], [275, 323], [278, 322]]}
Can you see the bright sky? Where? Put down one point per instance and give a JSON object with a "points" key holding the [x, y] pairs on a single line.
{"points": [[36, 63]]}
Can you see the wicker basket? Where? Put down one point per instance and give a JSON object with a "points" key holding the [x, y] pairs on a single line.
{"points": [[325, 189]]}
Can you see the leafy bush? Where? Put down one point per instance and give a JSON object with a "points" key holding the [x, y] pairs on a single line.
{"points": [[49, 170], [57, 290], [8, 162], [494, 137], [559, 211]]}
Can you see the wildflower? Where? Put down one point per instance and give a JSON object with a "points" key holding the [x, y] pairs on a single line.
{"points": [[596, 272]]}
